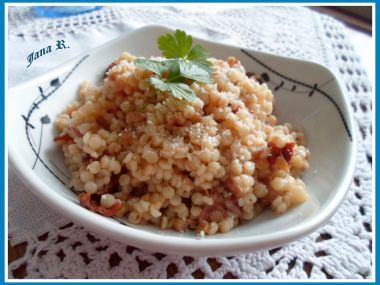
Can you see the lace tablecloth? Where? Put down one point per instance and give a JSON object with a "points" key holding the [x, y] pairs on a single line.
{"points": [[57, 248]]}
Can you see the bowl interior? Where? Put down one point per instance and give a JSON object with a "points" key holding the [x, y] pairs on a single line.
{"points": [[306, 94]]}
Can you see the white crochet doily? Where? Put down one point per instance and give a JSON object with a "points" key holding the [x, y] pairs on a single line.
{"points": [[57, 248]]}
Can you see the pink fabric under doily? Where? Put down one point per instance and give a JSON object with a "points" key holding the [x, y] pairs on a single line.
{"points": [[57, 248]]}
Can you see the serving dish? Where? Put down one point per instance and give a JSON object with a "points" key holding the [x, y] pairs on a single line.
{"points": [[307, 95]]}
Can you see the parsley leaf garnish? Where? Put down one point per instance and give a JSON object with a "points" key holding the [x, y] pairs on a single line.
{"points": [[183, 63], [189, 70], [179, 90], [176, 46], [155, 66], [198, 52]]}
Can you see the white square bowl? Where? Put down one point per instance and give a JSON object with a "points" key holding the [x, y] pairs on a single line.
{"points": [[307, 95]]}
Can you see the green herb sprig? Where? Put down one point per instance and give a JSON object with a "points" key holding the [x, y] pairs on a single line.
{"points": [[184, 63]]}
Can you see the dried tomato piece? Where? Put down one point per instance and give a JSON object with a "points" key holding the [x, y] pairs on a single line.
{"points": [[250, 74], [108, 68], [77, 132], [111, 187], [85, 201], [63, 139], [287, 151], [68, 138], [272, 159], [221, 204], [140, 190], [87, 159], [109, 212], [275, 151]]}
